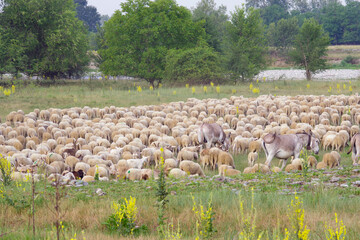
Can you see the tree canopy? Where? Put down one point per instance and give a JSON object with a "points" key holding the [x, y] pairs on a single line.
{"points": [[215, 19], [87, 14], [42, 37], [310, 47], [138, 37], [245, 45]]}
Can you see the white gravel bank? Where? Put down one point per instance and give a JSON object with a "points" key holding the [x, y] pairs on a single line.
{"points": [[328, 75]]}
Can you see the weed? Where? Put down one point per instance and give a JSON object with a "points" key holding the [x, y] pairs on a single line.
{"points": [[161, 194], [339, 233], [124, 217], [204, 219], [5, 170]]}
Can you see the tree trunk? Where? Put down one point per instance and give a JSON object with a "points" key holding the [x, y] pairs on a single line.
{"points": [[308, 75]]}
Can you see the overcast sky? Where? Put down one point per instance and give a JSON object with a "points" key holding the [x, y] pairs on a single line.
{"points": [[109, 6]]}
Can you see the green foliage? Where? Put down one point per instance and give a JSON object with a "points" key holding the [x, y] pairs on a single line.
{"points": [[161, 194], [138, 38], [282, 34], [200, 65], [123, 220], [332, 18], [42, 38], [349, 60], [215, 22], [5, 170], [273, 13], [310, 47], [245, 48], [87, 14]]}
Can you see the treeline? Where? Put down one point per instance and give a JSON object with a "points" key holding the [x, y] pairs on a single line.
{"points": [[162, 41], [341, 21]]}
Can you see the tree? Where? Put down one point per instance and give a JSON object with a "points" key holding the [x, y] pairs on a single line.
{"points": [[215, 19], [310, 47], [273, 13], [282, 34], [245, 44], [138, 38], [351, 23], [87, 14], [332, 18], [200, 64], [43, 37]]}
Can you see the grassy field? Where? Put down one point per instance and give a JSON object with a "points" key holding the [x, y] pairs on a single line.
{"points": [[85, 211], [124, 93]]}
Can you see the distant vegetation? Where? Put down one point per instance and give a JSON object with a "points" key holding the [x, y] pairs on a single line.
{"points": [[160, 41]]}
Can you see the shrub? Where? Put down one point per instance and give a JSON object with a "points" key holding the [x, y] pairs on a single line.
{"points": [[124, 218], [349, 60], [199, 65], [5, 170]]}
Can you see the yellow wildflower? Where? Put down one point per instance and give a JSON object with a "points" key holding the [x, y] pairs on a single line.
{"points": [[218, 89], [205, 89], [251, 86], [151, 88], [193, 90], [187, 85], [13, 88], [212, 84]]}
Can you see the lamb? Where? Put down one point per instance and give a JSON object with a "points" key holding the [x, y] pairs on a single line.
{"points": [[252, 158], [60, 166], [191, 168], [137, 163], [276, 169], [312, 162], [84, 167], [71, 161], [121, 167], [158, 154], [337, 156], [169, 164], [330, 160], [187, 155], [133, 174], [225, 158], [103, 172], [177, 173], [255, 146], [321, 165], [223, 168], [88, 179], [231, 172]]}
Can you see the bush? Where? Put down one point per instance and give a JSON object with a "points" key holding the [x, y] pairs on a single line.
{"points": [[349, 60], [200, 65]]}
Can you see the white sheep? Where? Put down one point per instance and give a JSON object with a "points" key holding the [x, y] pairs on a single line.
{"points": [[177, 173], [137, 163], [252, 158]]}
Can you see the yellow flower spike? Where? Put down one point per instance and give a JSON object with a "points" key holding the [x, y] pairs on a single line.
{"points": [[139, 89], [13, 88], [349, 82], [218, 89], [1, 88], [256, 90], [308, 86], [187, 85], [257, 80], [174, 92], [7, 92], [350, 89], [129, 91], [338, 86], [251, 86], [212, 84], [151, 88], [160, 85], [330, 89], [193, 90], [344, 86], [158, 94], [233, 91], [264, 79], [205, 89]]}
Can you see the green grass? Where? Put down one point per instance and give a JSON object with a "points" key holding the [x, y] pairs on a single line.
{"points": [[112, 93]]}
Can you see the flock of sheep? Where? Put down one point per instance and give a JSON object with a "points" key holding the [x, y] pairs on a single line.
{"points": [[131, 142]]}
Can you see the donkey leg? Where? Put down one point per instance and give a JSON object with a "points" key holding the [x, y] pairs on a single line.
{"points": [[284, 161], [269, 158]]}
